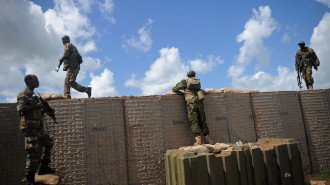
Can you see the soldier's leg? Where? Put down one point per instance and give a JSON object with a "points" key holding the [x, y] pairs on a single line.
{"points": [[73, 82], [67, 93], [303, 73], [202, 118], [309, 78], [47, 143], [193, 119], [33, 151]]}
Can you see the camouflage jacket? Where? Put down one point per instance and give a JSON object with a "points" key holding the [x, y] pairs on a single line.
{"points": [[33, 117], [306, 57], [70, 56], [190, 95]]}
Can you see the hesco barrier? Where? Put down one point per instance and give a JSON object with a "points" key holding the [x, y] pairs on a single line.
{"points": [[276, 162], [123, 140]]}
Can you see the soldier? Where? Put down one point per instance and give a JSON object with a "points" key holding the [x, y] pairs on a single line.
{"points": [[305, 59], [195, 106], [37, 143], [72, 61]]}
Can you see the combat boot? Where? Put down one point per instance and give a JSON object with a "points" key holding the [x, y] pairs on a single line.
{"points": [[198, 140], [208, 140], [44, 168], [89, 92], [310, 87], [30, 178]]}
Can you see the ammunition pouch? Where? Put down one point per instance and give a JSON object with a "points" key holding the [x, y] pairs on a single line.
{"points": [[200, 94], [307, 62], [70, 64]]}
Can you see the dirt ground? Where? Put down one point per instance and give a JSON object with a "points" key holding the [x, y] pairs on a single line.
{"points": [[319, 182]]}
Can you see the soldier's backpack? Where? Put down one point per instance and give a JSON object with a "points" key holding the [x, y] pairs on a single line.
{"points": [[79, 58], [193, 83]]}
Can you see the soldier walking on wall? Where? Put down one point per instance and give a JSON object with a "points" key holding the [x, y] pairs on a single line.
{"points": [[195, 106], [38, 144], [72, 61], [305, 59]]}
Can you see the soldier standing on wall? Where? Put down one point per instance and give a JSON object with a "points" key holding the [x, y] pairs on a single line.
{"points": [[305, 59], [37, 143], [72, 61], [195, 106]]}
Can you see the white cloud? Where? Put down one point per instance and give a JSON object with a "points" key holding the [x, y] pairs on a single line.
{"points": [[85, 5], [168, 70], [202, 66], [259, 27], [163, 74], [88, 47], [91, 64], [31, 43], [133, 82], [320, 43], [325, 2], [67, 19], [144, 42], [286, 38], [102, 85], [107, 8], [285, 80]]}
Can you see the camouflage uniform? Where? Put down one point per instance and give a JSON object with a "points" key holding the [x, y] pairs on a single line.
{"points": [[305, 59], [37, 143], [195, 109], [72, 66]]}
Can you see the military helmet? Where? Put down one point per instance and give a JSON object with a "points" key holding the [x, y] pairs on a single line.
{"points": [[301, 43], [66, 39], [191, 73]]}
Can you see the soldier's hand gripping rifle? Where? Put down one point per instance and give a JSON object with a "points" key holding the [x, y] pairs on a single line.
{"points": [[50, 111], [59, 65]]}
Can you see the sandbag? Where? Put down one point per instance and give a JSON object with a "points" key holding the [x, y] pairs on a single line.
{"points": [[216, 148], [48, 179], [51, 96], [195, 149]]}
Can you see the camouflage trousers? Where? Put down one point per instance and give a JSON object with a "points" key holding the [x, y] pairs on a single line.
{"points": [[70, 81], [307, 75], [197, 118], [37, 145]]}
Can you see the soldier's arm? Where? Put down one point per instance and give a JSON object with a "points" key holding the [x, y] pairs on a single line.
{"points": [[316, 59], [66, 53], [180, 86], [297, 62], [22, 105]]}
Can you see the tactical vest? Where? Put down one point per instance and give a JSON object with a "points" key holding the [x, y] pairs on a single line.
{"points": [[72, 61], [193, 91], [305, 58], [34, 114]]}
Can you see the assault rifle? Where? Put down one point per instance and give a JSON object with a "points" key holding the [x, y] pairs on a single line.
{"points": [[50, 111], [298, 79], [59, 65]]}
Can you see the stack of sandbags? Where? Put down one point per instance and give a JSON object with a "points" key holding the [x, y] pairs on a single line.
{"points": [[230, 90], [51, 96], [214, 91], [206, 148]]}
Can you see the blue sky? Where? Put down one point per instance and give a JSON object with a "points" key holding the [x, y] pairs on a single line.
{"points": [[146, 47]]}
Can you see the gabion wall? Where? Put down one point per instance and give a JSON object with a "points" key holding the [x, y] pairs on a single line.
{"points": [[123, 140]]}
